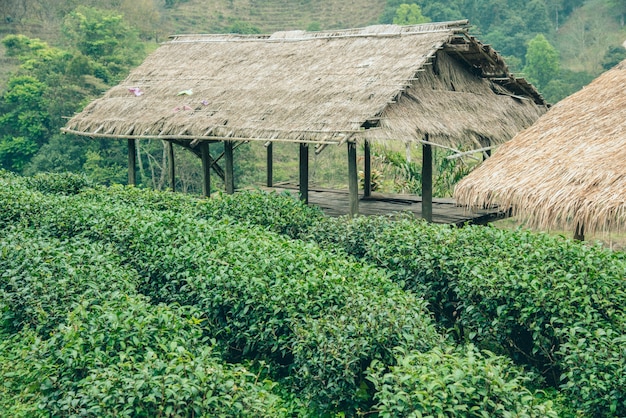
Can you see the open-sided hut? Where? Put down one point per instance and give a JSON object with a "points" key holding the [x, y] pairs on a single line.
{"points": [[569, 168], [431, 83]]}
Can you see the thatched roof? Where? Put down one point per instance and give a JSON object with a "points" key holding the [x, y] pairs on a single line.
{"points": [[569, 168], [379, 82]]}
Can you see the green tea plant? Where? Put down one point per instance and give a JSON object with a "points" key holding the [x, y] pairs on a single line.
{"points": [[127, 357], [319, 319], [41, 279], [547, 302], [445, 383]]}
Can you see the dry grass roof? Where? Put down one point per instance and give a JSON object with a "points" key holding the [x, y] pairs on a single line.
{"points": [[568, 168], [381, 82]]}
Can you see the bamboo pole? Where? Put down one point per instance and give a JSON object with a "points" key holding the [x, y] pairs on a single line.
{"points": [[367, 170], [427, 182], [172, 167], [353, 180], [132, 162], [229, 172], [304, 172], [206, 169], [270, 164]]}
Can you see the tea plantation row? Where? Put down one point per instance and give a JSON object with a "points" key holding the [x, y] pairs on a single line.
{"points": [[124, 301], [552, 304]]}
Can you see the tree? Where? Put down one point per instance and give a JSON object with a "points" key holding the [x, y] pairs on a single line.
{"points": [[613, 56], [409, 14], [24, 122], [106, 38], [542, 61]]}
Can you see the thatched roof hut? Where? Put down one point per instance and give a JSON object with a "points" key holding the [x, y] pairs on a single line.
{"points": [[377, 83], [569, 168]]}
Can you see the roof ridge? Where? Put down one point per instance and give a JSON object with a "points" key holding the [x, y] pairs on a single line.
{"points": [[302, 35]]}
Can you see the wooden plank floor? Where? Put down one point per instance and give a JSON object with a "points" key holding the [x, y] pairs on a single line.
{"points": [[445, 211]]}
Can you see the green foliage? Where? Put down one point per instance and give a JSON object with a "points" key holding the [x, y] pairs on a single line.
{"points": [[245, 28], [567, 83], [282, 213], [542, 61], [43, 279], [318, 319], [409, 14], [446, 173], [60, 183], [24, 122], [446, 383], [122, 356], [104, 37], [613, 56], [547, 302]]}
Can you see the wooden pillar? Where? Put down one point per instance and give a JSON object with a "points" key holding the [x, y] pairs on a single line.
{"points": [[579, 232], [172, 167], [353, 179], [229, 171], [206, 168], [270, 164], [367, 170], [427, 182], [304, 172], [132, 162]]}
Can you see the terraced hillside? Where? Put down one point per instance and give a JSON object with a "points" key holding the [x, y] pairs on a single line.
{"points": [[271, 15]]}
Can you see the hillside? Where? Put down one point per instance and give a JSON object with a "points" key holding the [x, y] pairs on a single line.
{"points": [[272, 15]]}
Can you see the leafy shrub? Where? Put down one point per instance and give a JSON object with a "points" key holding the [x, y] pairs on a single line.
{"points": [[281, 213], [125, 357], [322, 318], [525, 294], [59, 183], [455, 383], [41, 279]]}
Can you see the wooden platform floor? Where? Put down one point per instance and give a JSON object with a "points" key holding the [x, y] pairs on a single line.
{"points": [[445, 211]]}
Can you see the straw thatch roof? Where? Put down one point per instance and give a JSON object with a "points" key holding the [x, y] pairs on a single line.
{"points": [[380, 82], [569, 168]]}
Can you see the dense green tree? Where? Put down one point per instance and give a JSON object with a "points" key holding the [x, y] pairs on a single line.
{"points": [[620, 8], [24, 121], [565, 84], [442, 12], [542, 61], [536, 17], [106, 38], [409, 14], [613, 56]]}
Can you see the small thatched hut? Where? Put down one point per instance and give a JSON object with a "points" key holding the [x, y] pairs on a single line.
{"points": [[568, 169], [431, 83]]}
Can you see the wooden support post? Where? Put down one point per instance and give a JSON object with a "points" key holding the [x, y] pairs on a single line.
{"points": [[229, 171], [353, 179], [427, 182], [304, 172], [172, 167], [270, 164], [579, 232], [132, 162], [367, 170], [206, 168]]}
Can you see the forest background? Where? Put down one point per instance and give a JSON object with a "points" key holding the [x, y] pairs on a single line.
{"points": [[57, 56]]}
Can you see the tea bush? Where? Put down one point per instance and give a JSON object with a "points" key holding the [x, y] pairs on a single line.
{"points": [[126, 357], [42, 279], [444, 382], [59, 183], [319, 319], [530, 295]]}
